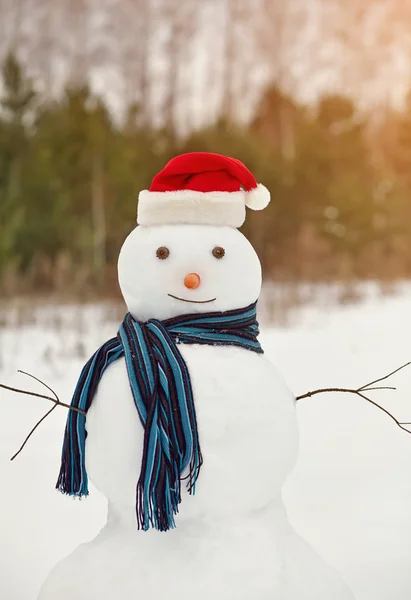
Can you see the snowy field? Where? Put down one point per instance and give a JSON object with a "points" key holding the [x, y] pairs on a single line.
{"points": [[350, 495]]}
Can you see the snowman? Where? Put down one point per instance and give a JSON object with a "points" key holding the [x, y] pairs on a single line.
{"points": [[189, 430]]}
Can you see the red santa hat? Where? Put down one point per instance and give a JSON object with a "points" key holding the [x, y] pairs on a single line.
{"points": [[201, 188]]}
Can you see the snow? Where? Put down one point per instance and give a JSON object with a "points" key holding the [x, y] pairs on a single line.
{"points": [[349, 495]]}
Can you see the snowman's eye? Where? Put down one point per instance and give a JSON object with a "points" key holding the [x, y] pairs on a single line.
{"points": [[218, 252], [162, 253]]}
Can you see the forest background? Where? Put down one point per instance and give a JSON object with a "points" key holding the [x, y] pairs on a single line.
{"points": [[96, 96]]}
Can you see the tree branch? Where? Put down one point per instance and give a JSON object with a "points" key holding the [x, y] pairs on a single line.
{"points": [[28, 393], [42, 383], [12, 389], [368, 387], [33, 430], [56, 401]]}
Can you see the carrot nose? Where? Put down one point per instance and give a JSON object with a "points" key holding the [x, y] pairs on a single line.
{"points": [[192, 281]]}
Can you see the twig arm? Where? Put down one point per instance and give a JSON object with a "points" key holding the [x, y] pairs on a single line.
{"points": [[384, 410], [40, 381], [56, 402], [325, 391], [369, 387], [28, 393], [33, 430]]}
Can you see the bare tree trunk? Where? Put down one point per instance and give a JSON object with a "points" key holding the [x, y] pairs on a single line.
{"points": [[227, 102], [16, 27], [99, 218], [287, 136], [280, 25], [144, 60], [179, 16], [5, 28], [77, 20], [173, 55], [46, 50], [131, 27]]}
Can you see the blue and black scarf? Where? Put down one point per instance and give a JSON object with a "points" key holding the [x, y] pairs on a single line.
{"points": [[162, 392]]}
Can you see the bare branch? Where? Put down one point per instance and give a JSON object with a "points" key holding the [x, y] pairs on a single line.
{"points": [[33, 430], [368, 387], [324, 391], [384, 410], [56, 402], [40, 381], [28, 393]]}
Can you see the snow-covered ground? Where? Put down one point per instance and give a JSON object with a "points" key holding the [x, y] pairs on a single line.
{"points": [[350, 495]]}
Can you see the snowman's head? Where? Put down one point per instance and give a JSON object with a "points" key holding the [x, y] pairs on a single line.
{"points": [[186, 255], [170, 270]]}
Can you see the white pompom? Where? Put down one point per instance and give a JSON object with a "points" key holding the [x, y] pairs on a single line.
{"points": [[258, 198]]}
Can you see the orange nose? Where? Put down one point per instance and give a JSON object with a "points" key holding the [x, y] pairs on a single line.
{"points": [[192, 281]]}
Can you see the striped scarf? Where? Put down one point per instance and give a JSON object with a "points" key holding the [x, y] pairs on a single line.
{"points": [[162, 392]]}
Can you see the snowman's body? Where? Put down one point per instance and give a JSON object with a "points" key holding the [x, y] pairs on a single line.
{"points": [[232, 539]]}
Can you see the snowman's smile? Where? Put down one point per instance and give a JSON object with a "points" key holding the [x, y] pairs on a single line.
{"points": [[191, 301]]}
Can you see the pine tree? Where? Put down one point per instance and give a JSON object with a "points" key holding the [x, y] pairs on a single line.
{"points": [[17, 105]]}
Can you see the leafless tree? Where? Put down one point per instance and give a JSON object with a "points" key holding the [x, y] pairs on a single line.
{"points": [[128, 37], [372, 40], [178, 18], [280, 26]]}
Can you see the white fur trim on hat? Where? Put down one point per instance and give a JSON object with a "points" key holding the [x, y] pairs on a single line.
{"points": [[190, 207], [258, 198]]}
